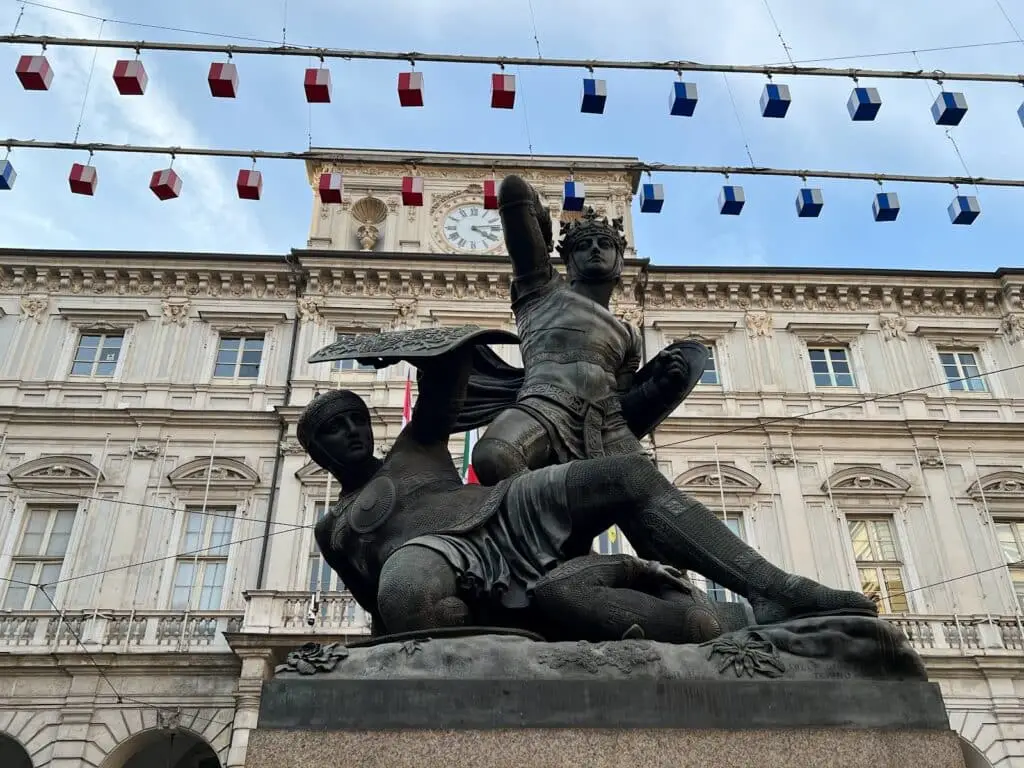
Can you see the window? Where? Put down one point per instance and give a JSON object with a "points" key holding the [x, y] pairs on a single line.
{"points": [[878, 563], [961, 370], [204, 563], [717, 592], [97, 354], [349, 365], [710, 375], [39, 558], [1011, 541], [830, 366], [321, 577], [609, 542], [238, 357]]}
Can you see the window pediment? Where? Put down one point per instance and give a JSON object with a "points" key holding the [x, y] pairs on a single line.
{"points": [[1003, 485], [242, 322], [312, 473], [103, 319], [865, 481], [827, 333], [224, 474], [712, 477], [695, 328], [965, 331], [56, 471]]}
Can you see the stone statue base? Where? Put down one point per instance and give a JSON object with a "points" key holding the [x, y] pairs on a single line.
{"points": [[829, 691]]}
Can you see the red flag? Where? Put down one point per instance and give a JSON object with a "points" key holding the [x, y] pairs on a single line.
{"points": [[407, 404], [468, 473]]}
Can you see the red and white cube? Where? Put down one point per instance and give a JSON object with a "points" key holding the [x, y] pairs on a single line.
{"points": [[410, 89], [83, 179], [331, 187], [250, 184], [223, 80], [130, 77], [491, 194], [34, 72], [318, 85], [503, 91], [166, 184], [412, 190]]}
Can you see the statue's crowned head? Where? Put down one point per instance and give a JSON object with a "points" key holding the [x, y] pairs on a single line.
{"points": [[335, 429], [593, 247]]}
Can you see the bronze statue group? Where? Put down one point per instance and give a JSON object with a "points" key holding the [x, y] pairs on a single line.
{"points": [[560, 461]]}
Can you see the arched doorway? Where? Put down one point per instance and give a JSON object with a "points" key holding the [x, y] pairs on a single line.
{"points": [[973, 757], [163, 748], [12, 754]]}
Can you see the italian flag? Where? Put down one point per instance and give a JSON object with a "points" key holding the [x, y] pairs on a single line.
{"points": [[407, 403], [468, 475]]}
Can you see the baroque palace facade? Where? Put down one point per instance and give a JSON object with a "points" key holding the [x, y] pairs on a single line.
{"points": [[151, 479]]}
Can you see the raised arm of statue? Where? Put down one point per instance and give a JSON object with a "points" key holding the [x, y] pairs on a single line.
{"points": [[527, 228], [442, 383]]}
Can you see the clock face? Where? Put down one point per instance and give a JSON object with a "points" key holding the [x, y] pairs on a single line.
{"points": [[472, 228]]}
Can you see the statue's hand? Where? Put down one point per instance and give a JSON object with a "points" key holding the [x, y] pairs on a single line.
{"points": [[671, 369], [544, 220], [667, 576]]}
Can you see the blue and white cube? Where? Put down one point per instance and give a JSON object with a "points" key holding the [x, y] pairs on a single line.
{"points": [[864, 104], [809, 203], [964, 209], [949, 108], [7, 174], [775, 100], [886, 206], [683, 99], [573, 196], [730, 200], [652, 197], [595, 94]]}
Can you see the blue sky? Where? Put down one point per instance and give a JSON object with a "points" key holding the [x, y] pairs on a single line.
{"points": [[271, 113]]}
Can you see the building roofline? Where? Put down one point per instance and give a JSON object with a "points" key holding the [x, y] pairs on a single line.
{"points": [[100, 255], [662, 269]]}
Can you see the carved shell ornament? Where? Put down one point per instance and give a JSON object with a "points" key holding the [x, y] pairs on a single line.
{"points": [[370, 211]]}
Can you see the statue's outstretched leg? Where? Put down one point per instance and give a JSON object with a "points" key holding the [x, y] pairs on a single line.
{"points": [[609, 597], [513, 442], [664, 524], [419, 590]]}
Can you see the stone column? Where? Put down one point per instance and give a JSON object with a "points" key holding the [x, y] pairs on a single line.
{"points": [[257, 666], [72, 738]]}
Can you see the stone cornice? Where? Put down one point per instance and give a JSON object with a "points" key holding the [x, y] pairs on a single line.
{"points": [[681, 325], [102, 317]]}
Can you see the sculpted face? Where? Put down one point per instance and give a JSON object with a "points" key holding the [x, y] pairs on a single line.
{"points": [[595, 257], [347, 437]]}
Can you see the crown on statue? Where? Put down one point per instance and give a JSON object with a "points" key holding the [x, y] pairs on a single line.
{"points": [[588, 225]]}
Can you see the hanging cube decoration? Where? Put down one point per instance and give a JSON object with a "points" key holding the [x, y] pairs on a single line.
{"points": [[7, 175], [683, 99], [652, 198], [83, 179], [410, 89], [775, 100], [130, 77], [964, 209], [491, 194], [949, 108], [318, 85], [249, 184], [809, 203], [412, 190], [223, 80], [331, 187], [503, 91], [573, 196], [34, 72], [731, 200], [886, 206], [595, 94], [864, 104], [166, 184], [1020, 113]]}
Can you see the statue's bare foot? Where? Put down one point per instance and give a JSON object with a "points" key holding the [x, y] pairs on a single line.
{"points": [[800, 597]]}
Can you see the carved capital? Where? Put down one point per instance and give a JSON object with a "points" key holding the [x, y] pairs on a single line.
{"points": [[932, 461], [291, 447], [893, 327], [35, 306], [405, 310], [634, 315], [175, 311], [783, 460], [310, 309], [758, 324], [1012, 327]]}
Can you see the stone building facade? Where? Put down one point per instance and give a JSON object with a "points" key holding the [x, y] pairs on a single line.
{"points": [[858, 427]]}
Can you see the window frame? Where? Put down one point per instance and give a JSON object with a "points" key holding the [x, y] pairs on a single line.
{"points": [[103, 335], [211, 516], [956, 353], [41, 560], [716, 366], [827, 349], [899, 564], [242, 338], [716, 592], [316, 565], [1014, 568]]}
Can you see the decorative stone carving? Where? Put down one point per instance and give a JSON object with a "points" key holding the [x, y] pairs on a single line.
{"points": [[368, 235], [758, 324], [783, 460], [148, 451], [746, 654], [634, 315], [865, 480], [593, 657], [932, 461], [55, 470], [312, 658], [311, 309], [35, 306], [169, 719], [225, 473], [711, 477], [893, 327], [291, 447], [175, 311], [405, 310], [1005, 485], [1012, 327]]}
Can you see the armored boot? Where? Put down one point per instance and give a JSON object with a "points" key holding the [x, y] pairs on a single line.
{"points": [[681, 531]]}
